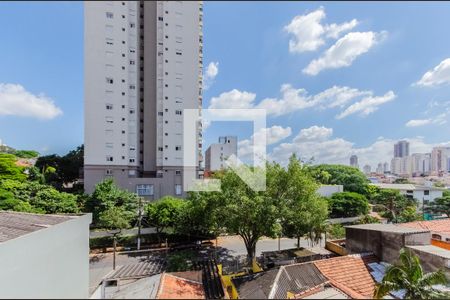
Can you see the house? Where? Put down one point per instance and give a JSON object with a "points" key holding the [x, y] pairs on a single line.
{"points": [[440, 231], [340, 277], [423, 194], [44, 256]]}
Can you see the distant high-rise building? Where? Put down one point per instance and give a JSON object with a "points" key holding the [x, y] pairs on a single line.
{"points": [[354, 161], [367, 169], [386, 167], [401, 149], [216, 154], [143, 68], [439, 160], [380, 169]]}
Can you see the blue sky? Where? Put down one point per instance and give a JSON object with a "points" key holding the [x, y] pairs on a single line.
{"points": [[381, 53]]}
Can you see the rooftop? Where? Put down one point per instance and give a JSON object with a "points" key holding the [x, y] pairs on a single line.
{"points": [[434, 250], [387, 228], [174, 287], [406, 186], [442, 226], [138, 270], [17, 224], [350, 274]]}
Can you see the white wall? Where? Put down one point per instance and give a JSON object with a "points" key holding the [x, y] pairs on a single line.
{"points": [[329, 190], [48, 263]]}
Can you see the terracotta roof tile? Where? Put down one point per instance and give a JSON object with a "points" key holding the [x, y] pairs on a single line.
{"points": [[174, 287], [442, 226], [350, 274]]}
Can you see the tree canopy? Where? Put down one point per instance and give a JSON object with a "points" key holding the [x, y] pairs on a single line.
{"points": [[9, 169], [440, 205], [392, 203], [351, 178], [348, 204]]}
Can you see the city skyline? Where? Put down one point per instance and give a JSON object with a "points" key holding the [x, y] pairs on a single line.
{"points": [[316, 108]]}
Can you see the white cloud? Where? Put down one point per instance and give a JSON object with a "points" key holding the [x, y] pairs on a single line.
{"points": [[344, 51], [309, 33], [439, 75], [417, 123], [16, 101], [367, 105], [210, 74], [293, 99], [327, 149], [272, 134]]}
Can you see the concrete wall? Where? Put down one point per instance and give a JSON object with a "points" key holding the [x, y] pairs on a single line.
{"points": [[385, 245], [431, 262], [49, 263], [329, 190]]}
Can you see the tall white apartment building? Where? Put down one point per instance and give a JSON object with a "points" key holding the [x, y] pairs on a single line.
{"points": [[354, 161], [439, 160], [216, 154], [143, 67]]}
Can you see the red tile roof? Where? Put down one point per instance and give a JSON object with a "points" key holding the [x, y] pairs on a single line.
{"points": [[350, 274], [174, 287], [438, 226]]}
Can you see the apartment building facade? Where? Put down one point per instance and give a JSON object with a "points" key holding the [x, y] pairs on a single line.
{"points": [[216, 154], [143, 68]]}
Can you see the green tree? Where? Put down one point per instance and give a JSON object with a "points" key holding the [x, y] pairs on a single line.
{"points": [[35, 175], [440, 205], [336, 231], [107, 195], [391, 203], [401, 181], [9, 169], [115, 217], [408, 275], [409, 214], [446, 193], [368, 219], [164, 213], [351, 178], [348, 204], [26, 153]]}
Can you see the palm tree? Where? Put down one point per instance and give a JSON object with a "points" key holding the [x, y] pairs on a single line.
{"points": [[409, 276]]}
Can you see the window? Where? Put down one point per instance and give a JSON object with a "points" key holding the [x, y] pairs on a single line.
{"points": [[109, 145], [132, 50], [160, 148], [160, 113], [123, 131], [108, 172], [426, 193], [109, 106], [177, 172], [109, 158], [109, 15], [132, 25], [132, 62], [436, 237], [132, 160], [178, 53], [132, 148], [177, 148], [123, 29], [160, 18], [132, 87], [109, 120], [177, 189], [178, 112], [109, 80], [144, 189]]}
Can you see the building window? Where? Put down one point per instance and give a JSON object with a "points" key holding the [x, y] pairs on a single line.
{"points": [[178, 53], [132, 160], [132, 25], [108, 172], [178, 112], [132, 87], [177, 189], [109, 120], [109, 80], [426, 193], [436, 237], [177, 148], [144, 189], [109, 158], [177, 172], [109, 42], [132, 62], [132, 111], [109, 106], [109, 15], [109, 145], [160, 148], [160, 113], [160, 18], [132, 50]]}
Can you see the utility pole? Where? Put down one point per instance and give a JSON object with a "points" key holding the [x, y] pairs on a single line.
{"points": [[139, 224]]}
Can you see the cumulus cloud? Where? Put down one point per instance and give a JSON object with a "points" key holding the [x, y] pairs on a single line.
{"points": [[210, 74], [439, 120], [308, 32], [293, 99], [438, 76], [322, 147], [367, 105], [344, 51], [417, 123], [15, 100], [272, 136]]}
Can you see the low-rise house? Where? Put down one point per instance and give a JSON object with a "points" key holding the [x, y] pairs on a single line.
{"points": [[424, 194], [440, 231], [44, 256]]}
